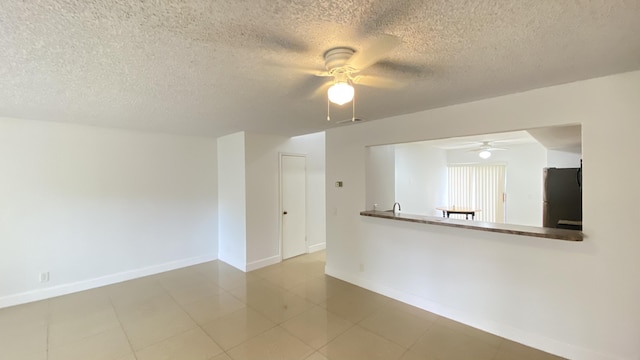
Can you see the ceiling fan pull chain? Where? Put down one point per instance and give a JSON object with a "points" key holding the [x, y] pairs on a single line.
{"points": [[353, 108], [328, 110]]}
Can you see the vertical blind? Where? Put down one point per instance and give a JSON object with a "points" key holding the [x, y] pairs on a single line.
{"points": [[478, 187]]}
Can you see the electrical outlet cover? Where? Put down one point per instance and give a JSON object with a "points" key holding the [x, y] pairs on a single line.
{"points": [[44, 277]]}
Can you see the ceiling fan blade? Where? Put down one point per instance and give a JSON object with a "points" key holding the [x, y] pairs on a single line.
{"points": [[262, 37], [283, 41], [297, 69], [322, 90], [486, 145], [383, 14], [376, 50], [377, 81], [515, 141], [402, 68], [306, 87], [478, 149], [453, 145], [310, 71]]}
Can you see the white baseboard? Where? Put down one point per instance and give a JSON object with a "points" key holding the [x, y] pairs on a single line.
{"points": [[506, 331], [64, 289], [317, 247], [240, 265], [255, 265]]}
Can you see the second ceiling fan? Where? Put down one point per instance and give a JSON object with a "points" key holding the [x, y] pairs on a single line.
{"points": [[485, 150]]}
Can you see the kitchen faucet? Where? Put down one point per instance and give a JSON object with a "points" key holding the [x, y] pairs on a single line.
{"points": [[394, 207]]}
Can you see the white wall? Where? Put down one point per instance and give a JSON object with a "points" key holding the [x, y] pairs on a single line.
{"points": [[579, 300], [249, 196], [94, 206], [421, 178], [232, 204], [524, 164], [563, 159], [313, 146], [380, 177], [263, 194]]}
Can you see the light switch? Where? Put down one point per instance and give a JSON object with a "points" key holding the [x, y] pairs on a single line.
{"points": [[338, 183]]}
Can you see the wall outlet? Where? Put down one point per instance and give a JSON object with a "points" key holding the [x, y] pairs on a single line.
{"points": [[44, 277]]}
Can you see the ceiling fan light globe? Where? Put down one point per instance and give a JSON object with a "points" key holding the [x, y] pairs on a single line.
{"points": [[340, 93], [484, 154]]}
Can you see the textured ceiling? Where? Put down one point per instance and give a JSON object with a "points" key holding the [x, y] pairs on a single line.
{"points": [[214, 67]]}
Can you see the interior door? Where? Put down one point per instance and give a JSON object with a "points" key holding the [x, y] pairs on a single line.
{"points": [[293, 185]]}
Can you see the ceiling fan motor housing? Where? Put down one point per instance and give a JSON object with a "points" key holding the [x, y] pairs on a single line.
{"points": [[337, 57]]}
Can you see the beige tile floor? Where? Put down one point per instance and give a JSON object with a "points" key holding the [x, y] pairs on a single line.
{"points": [[215, 312]]}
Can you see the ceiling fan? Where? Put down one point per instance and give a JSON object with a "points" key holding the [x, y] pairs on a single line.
{"points": [[344, 65], [484, 150], [347, 67]]}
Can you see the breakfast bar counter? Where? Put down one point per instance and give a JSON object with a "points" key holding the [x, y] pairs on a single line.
{"points": [[549, 233]]}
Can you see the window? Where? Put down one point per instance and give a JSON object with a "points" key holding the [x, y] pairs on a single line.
{"points": [[478, 187]]}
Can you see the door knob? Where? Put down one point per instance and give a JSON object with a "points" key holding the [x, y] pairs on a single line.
{"points": [[284, 213]]}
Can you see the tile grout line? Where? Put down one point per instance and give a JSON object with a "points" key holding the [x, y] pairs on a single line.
{"points": [[181, 307], [196, 322], [498, 348], [115, 311], [228, 291], [335, 337], [431, 322], [48, 320], [314, 305], [277, 324]]}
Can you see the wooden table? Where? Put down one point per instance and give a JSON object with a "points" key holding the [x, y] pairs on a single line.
{"points": [[454, 210]]}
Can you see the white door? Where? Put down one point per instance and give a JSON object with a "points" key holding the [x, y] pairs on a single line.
{"points": [[293, 184]]}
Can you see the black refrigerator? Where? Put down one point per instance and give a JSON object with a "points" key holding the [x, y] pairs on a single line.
{"points": [[562, 198]]}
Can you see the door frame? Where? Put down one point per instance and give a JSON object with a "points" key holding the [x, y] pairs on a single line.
{"points": [[280, 200]]}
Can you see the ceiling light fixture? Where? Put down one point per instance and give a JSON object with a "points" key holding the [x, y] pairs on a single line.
{"points": [[340, 93], [484, 154]]}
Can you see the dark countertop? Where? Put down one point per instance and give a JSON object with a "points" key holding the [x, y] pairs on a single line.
{"points": [[549, 233]]}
